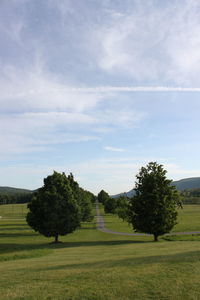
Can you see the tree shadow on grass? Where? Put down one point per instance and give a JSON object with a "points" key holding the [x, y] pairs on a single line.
{"points": [[15, 228], [185, 257], [17, 234], [88, 228], [13, 225], [13, 247]]}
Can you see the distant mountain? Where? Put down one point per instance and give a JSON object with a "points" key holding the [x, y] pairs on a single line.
{"points": [[127, 194], [12, 190], [187, 183], [183, 184]]}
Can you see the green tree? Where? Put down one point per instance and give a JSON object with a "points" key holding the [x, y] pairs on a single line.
{"points": [[83, 198], [102, 196], [86, 203], [110, 205], [53, 209], [122, 208], [153, 208]]}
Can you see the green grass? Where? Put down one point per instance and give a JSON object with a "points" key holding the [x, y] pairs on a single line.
{"points": [[17, 211], [188, 220], [92, 265]]}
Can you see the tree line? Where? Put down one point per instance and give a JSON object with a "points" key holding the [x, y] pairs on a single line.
{"points": [[191, 196], [6, 198]]}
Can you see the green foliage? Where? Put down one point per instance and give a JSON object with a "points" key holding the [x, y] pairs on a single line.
{"points": [[86, 206], [83, 198], [122, 205], [10, 195], [53, 210], [110, 205], [108, 202], [102, 196], [153, 208], [15, 198]]}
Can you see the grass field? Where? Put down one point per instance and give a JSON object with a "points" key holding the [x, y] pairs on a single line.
{"points": [[188, 220], [91, 265]]}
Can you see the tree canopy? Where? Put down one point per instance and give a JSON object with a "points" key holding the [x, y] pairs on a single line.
{"points": [[122, 205], [53, 209], [83, 198], [110, 205], [153, 208], [102, 196]]}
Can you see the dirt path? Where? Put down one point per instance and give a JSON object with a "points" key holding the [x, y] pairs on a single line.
{"points": [[101, 226]]}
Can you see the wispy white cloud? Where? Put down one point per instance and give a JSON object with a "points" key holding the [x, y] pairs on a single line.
{"points": [[106, 89], [43, 106], [30, 132], [177, 172], [153, 43], [70, 92], [121, 117], [114, 149], [62, 97], [79, 73], [34, 89]]}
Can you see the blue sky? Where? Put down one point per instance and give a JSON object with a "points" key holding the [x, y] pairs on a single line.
{"points": [[98, 88]]}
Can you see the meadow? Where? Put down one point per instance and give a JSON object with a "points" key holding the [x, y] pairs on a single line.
{"points": [[90, 264], [188, 220]]}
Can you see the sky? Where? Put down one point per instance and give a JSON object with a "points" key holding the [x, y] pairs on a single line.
{"points": [[98, 88]]}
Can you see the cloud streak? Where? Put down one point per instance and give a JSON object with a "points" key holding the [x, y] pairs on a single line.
{"points": [[60, 93], [106, 89], [114, 149]]}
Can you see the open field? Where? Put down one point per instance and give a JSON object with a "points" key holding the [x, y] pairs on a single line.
{"points": [[188, 220], [13, 211], [93, 265]]}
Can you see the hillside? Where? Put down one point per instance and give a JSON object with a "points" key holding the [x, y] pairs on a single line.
{"points": [[127, 194], [187, 183], [182, 184], [11, 190]]}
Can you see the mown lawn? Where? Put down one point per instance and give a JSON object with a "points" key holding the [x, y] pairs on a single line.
{"points": [[188, 220], [91, 265]]}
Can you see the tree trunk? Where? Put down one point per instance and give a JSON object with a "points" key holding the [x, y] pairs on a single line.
{"points": [[56, 238], [155, 237]]}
